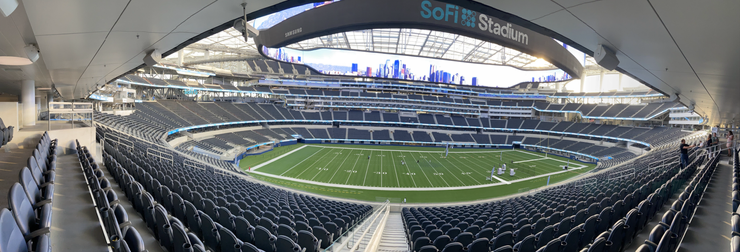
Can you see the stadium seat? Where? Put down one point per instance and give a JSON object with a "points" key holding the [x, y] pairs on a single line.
{"points": [[428, 248], [320, 233], [479, 245], [228, 241], [263, 239], [441, 241], [454, 247], [527, 244], [31, 223]]}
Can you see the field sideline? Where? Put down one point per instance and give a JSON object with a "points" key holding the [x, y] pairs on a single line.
{"points": [[348, 168]]}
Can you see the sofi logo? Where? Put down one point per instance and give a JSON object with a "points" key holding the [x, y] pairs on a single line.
{"points": [[453, 13], [449, 13]]}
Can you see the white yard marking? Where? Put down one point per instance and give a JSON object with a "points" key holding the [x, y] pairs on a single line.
{"points": [[448, 170], [435, 171], [340, 165], [367, 168], [279, 157], [317, 160], [360, 155], [336, 154], [422, 170], [531, 160], [398, 182], [503, 181], [463, 172]]}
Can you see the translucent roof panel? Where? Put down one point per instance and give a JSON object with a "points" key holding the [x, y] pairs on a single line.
{"points": [[426, 43]]}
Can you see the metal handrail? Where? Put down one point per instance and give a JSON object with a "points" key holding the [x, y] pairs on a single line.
{"points": [[374, 216]]}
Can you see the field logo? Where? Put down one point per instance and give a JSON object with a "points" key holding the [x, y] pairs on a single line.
{"points": [[451, 13]]}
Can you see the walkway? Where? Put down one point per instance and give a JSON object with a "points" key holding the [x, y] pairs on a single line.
{"points": [[74, 226]]}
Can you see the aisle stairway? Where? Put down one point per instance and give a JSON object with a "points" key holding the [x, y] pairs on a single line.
{"points": [[394, 238], [709, 229]]}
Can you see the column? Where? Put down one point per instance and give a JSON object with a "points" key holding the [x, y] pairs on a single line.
{"points": [[583, 82], [180, 57], [601, 81], [619, 88], [28, 98]]}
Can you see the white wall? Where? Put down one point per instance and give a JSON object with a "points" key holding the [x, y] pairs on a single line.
{"points": [[10, 115], [66, 139]]}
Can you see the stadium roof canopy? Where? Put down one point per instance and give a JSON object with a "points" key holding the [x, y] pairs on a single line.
{"points": [[426, 43]]}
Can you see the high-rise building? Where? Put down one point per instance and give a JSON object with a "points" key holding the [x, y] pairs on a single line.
{"points": [[354, 67], [475, 81], [369, 72]]}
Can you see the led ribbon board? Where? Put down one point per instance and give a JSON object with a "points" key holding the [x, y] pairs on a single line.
{"points": [[353, 15]]}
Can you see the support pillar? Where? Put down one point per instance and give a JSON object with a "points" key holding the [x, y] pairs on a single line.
{"points": [[28, 98], [601, 81], [180, 57], [619, 88], [583, 82]]}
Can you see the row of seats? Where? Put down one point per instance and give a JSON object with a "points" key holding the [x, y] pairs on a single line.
{"points": [[161, 115], [568, 214], [103, 132], [222, 203], [121, 235], [667, 234], [6, 133], [26, 225]]}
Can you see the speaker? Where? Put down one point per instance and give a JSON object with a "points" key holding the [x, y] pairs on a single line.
{"points": [[606, 57], [152, 58], [8, 6], [32, 52]]}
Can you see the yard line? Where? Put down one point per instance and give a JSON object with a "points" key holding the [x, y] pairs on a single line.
{"points": [[555, 159], [448, 170], [531, 160], [278, 157], [309, 157], [504, 181], [367, 168], [340, 166], [475, 170], [435, 171], [398, 182], [353, 167], [422, 171], [381, 168], [453, 164], [314, 176]]}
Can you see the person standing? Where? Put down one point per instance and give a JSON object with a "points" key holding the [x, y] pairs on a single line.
{"points": [[730, 140], [715, 143], [685, 153]]}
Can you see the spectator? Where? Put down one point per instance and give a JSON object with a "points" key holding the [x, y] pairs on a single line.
{"points": [[730, 140], [715, 142], [685, 153]]}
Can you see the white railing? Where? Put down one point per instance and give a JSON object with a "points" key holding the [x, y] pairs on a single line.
{"points": [[382, 210]]}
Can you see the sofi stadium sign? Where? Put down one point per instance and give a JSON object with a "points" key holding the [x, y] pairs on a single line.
{"points": [[467, 18]]}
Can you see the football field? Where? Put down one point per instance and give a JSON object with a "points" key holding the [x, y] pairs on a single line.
{"points": [[407, 167]]}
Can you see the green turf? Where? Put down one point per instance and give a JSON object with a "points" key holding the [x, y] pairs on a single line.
{"points": [[349, 165], [381, 166]]}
